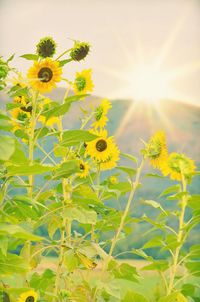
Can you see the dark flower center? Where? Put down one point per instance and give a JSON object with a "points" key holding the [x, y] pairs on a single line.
{"points": [[82, 167], [26, 109], [30, 299], [45, 74], [101, 145], [80, 83]]}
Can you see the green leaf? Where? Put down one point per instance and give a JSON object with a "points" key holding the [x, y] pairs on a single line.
{"points": [[153, 242], [63, 62], [75, 98], [188, 289], [73, 137], [12, 264], [125, 271], [70, 260], [158, 265], [134, 297], [81, 215], [17, 232], [155, 205], [58, 110], [154, 175], [10, 58], [194, 202], [7, 147], [5, 122], [26, 169], [30, 56], [131, 157], [67, 169], [39, 281], [193, 267], [130, 171], [175, 188]]}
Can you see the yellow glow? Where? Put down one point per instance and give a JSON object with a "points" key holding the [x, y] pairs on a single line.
{"points": [[148, 84]]}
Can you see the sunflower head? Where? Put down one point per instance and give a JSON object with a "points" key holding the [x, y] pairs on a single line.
{"points": [[79, 51], [84, 169], [46, 47], [100, 114], [103, 150], [113, 180], [83, 82], [29, 296], [178, 165], [43, 75], [156, 150]]}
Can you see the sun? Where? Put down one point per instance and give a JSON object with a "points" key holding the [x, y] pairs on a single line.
{"points": [[148, 84]]}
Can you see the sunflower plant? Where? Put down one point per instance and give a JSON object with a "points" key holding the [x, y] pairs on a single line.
{"points": [[59, 233]]}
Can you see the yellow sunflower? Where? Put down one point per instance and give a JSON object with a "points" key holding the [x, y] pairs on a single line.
{"points": [[19, 114], [113, 180], [100, 148], [29, 296], [111, 161], [178, 164], [44, 75], [156, 150], [54, 120], [83, 82], [84, 167], [100, 114]]}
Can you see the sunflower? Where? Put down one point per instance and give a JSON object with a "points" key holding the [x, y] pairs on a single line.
{"points": [[156, 150], [100, 114], [30, 296], [177, 165], [79, 51], [111, 161], [103, 149], [113, 180], [43, 75], [83, 82], [46, 47], [84, 168], [20, 115], [45, 105]]}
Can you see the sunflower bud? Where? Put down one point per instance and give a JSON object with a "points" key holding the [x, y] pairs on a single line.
{"points": [[46, 47], [79, 51]]}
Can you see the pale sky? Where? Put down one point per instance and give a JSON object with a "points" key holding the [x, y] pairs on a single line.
{"points": [[123, 33]]}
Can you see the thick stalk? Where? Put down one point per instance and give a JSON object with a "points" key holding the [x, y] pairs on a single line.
{"points": [[124, 216], [66, 225], [179, 238], [32, 141]]}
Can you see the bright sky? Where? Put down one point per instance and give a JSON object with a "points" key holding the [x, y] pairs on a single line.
{"points": [[124, 34]]}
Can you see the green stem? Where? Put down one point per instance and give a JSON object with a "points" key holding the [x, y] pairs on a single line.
{"points": [[179, 238], [32, 141], [66, 225], [122, 222]]}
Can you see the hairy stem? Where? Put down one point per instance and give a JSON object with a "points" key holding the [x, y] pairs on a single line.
{"points": [[66, 225], [126, 211], [179, 238]]}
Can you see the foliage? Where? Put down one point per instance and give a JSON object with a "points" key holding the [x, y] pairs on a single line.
{"points": [[65, 192]]}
